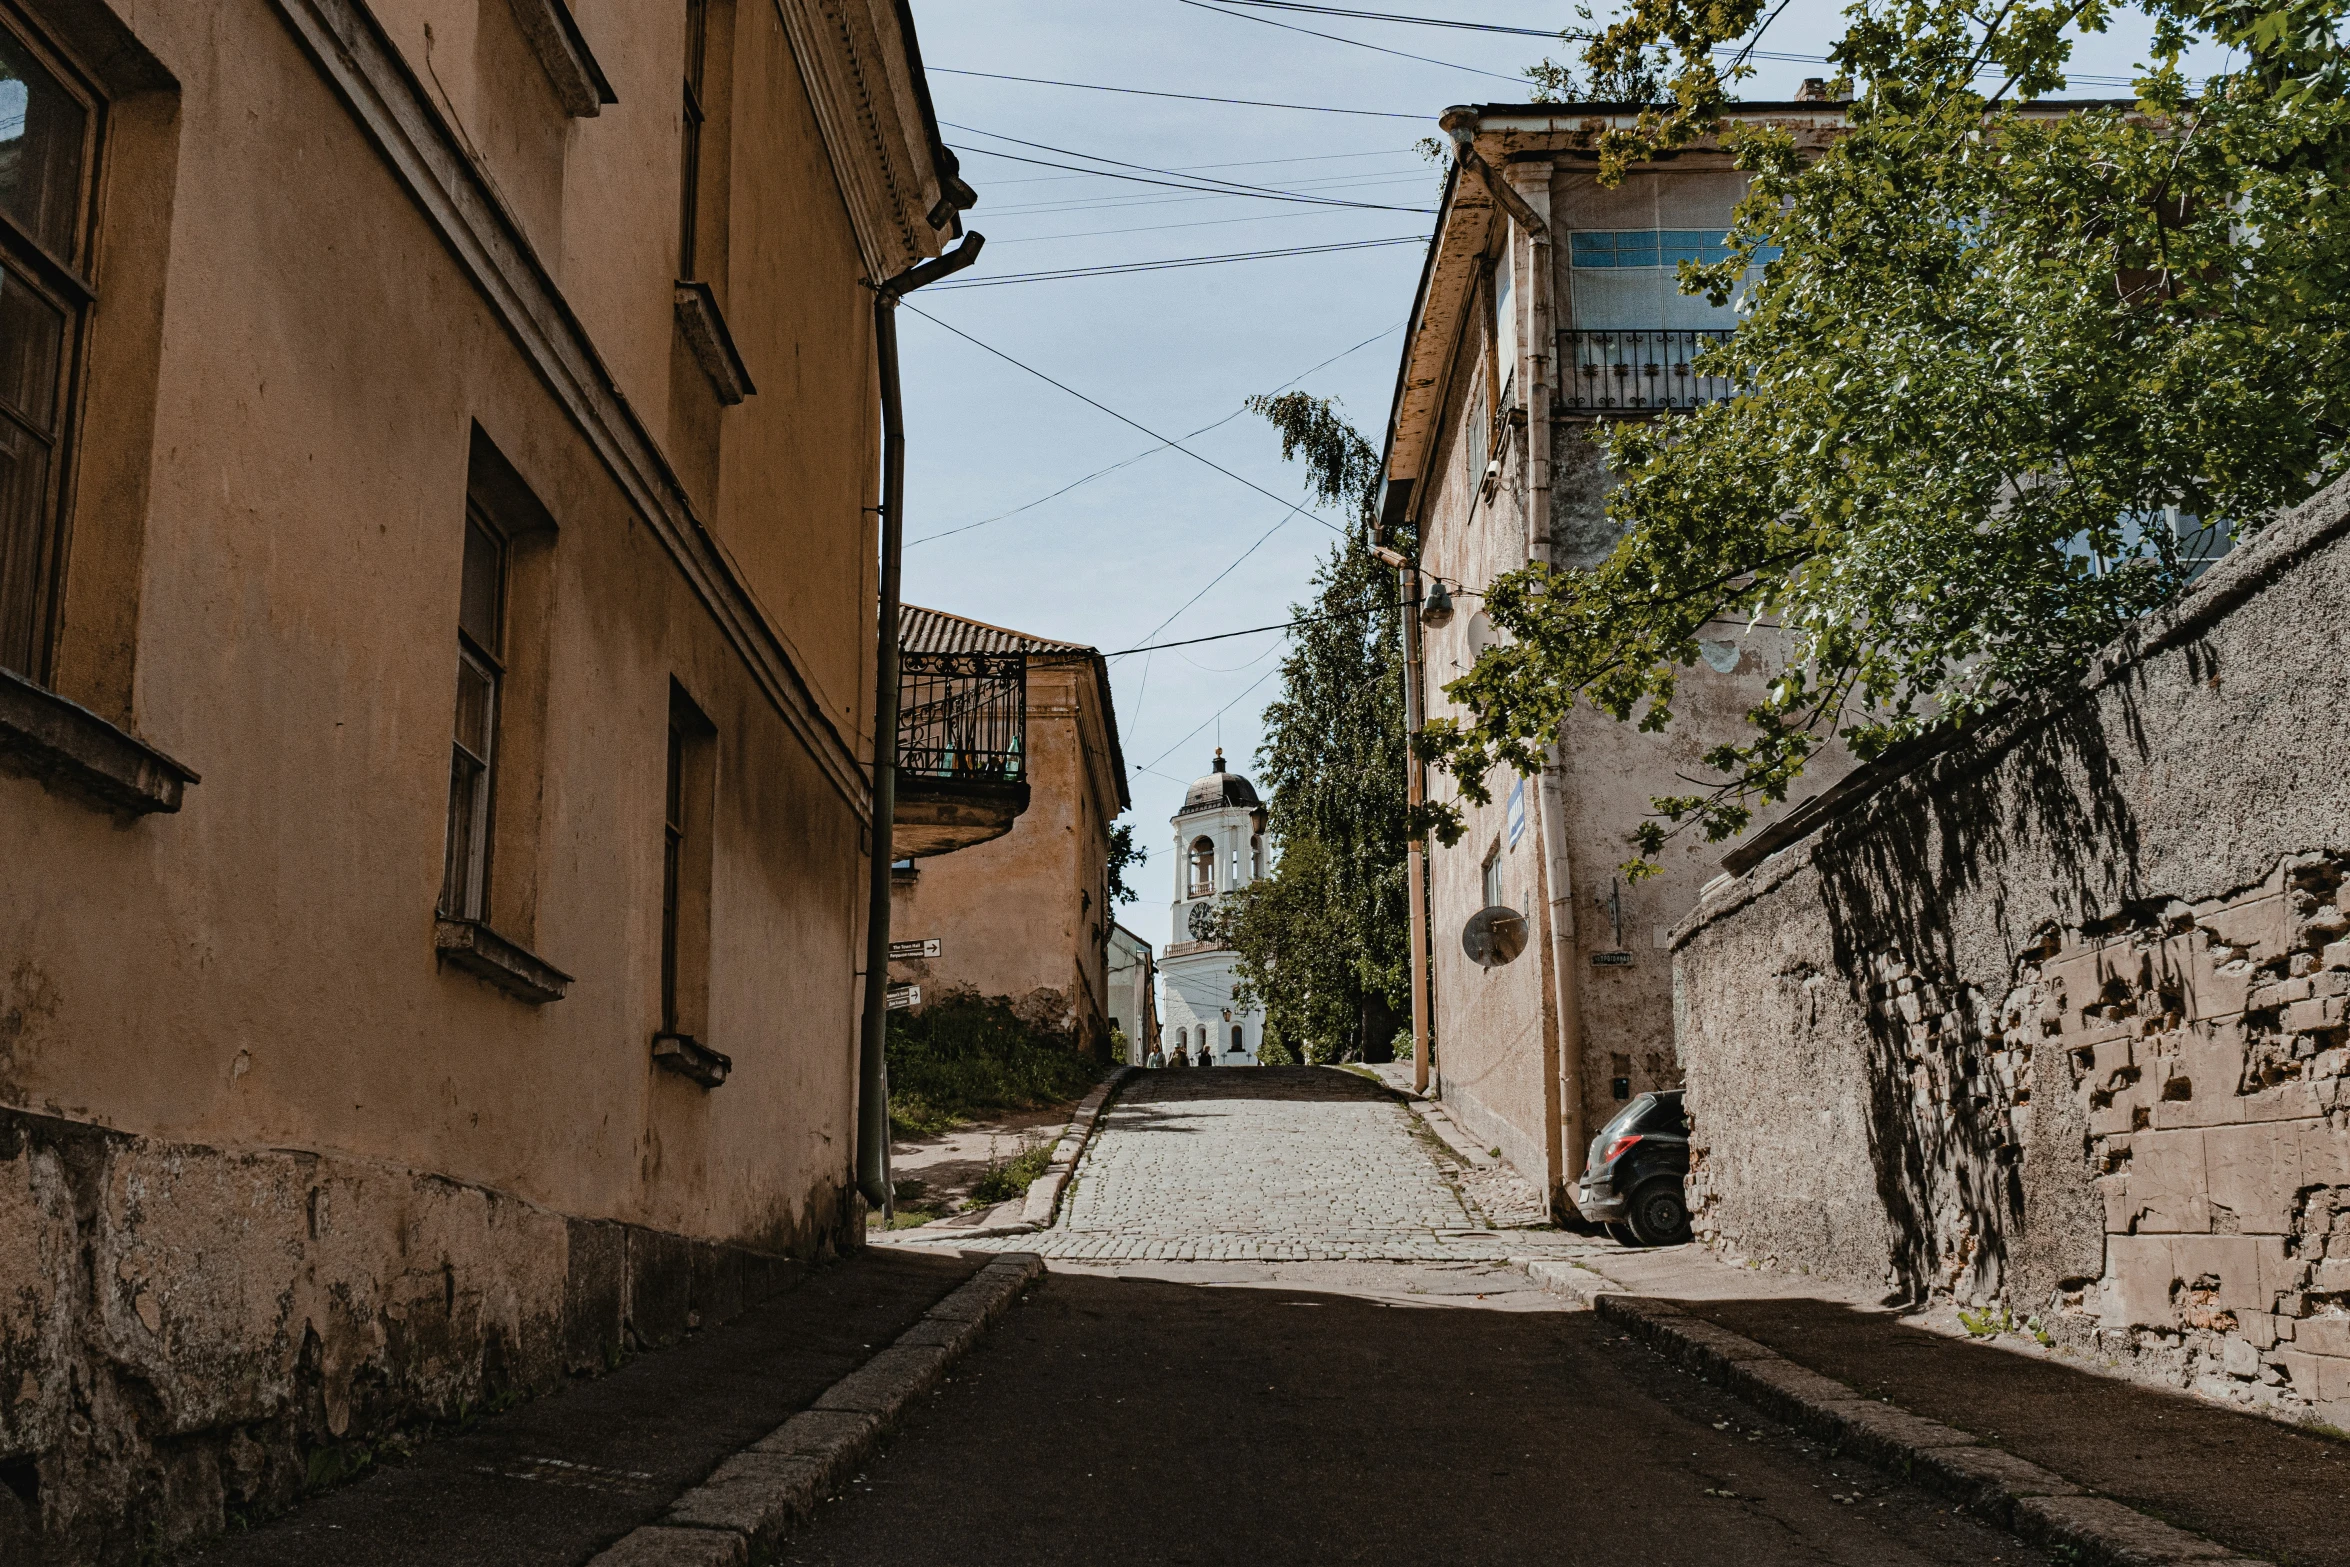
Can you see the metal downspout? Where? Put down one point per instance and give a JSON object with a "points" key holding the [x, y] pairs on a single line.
{"points": [[1416, 849], [872, 1053], [1537, 346]]}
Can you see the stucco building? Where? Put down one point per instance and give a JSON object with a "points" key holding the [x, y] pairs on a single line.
{"points": [[1024, 916], [1134, 993], [436, 607], [1219, 848], [1543, 311]]}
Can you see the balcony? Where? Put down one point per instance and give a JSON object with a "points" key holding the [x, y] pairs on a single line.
{"points": [[962, 763], [1635, 371]]}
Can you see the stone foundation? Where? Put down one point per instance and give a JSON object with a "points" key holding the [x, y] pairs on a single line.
{"points": [[190, 1335]]}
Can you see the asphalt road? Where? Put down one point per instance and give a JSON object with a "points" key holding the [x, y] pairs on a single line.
{"points": [[1353, 1412]]}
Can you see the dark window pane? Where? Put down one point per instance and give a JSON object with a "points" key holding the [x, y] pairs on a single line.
{"points": [[24, 537], [32, 336], [477, 609], [41, 131], [475, 691], [676, 779], [457, 862]]}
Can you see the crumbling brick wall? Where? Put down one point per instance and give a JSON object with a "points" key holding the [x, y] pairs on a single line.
{"points": [[2055, 1021]]}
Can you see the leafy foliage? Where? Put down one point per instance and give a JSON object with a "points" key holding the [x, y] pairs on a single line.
{"points": [[1323, 942], [963, 1056], [1123, 856], [2008, 378]]}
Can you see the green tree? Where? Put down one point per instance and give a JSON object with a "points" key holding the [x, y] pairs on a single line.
{"points": [[2004, 379], [1123, 857], [1323, 942]]}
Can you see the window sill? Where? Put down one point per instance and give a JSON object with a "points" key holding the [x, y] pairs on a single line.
{"points": [[563, 53], [483, 953], [71, 749], [689, 1057], [698, 317]]}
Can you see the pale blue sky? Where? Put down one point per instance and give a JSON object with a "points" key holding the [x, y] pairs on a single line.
{"points": [[1111, 560]]}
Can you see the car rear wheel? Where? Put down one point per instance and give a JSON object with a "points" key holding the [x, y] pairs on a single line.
{"points": [[1657, 1214], [1621, 1234]]}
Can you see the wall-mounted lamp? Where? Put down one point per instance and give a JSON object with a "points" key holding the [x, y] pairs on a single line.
{"points": [[1437, 609]]}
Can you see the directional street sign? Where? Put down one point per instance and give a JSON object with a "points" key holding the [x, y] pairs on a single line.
{"points": [[904, 996], [927, 947]]}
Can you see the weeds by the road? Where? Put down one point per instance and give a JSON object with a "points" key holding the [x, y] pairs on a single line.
{"points": [[963, 1057], [1006, 1179]]}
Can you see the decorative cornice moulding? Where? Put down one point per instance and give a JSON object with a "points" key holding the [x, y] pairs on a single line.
{"points": [[854, 61], [351, 49]]}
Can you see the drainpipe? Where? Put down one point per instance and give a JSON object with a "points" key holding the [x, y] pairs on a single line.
{"points": [[1536, 350], [872, 1059], [1416, 850]]}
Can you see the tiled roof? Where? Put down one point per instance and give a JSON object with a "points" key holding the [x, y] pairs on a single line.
{"points": [[935, 631]]}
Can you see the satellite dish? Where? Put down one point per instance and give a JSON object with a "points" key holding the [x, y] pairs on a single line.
{"points": [[1494, 936]]}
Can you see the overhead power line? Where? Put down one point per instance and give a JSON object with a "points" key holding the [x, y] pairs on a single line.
{"points": [[1191, 97], [1203, 184], [1121, 418], [1390, 16], [1226, 636], [1162, 446], [1211, 718], [1120, 268], [1336, 38], [1569, 35]]}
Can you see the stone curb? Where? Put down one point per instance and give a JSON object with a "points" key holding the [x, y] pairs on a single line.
{"points": [[2041, 1507], [740, 1515], [1044, 1193]]}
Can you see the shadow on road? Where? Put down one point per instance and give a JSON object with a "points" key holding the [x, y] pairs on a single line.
{"points": [[1143, 1420], [2261, 1487]]}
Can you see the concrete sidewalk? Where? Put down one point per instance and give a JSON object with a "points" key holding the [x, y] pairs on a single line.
{"points": [[2251, 1484], [556, 1480]]}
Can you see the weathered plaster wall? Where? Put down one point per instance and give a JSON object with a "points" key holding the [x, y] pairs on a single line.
{"points": [[189, 1312], [1496, 1030], [2058, 1019], [192, 1336], [1023, 916]]}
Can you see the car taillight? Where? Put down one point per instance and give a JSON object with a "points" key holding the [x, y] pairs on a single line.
{"points": [[1615, 1150]]}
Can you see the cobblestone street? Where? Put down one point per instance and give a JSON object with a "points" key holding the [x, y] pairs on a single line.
{"points": [[1281, 1164]]}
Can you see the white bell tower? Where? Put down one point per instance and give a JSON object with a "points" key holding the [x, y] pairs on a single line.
{"points": [[1219, 847]]}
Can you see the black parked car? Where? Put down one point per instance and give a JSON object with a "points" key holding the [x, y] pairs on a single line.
{"points": [[1632, 1181]]}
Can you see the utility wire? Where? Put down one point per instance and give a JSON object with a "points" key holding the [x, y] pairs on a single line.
{"points": [[1121, 418], [1156, 228], [1207, 185], [1492, 27], [1211, 718], [1053, 206], [1225, 636], [1424, 21], [1244, 163], [1116, 269], [1145, 92], [1162, 446], [1452, 65]]}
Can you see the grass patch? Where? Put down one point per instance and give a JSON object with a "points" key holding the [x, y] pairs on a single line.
{"points": [[1006, 1179], [965, 1057]]}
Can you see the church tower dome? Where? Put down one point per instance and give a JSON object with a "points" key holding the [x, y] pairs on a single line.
{"points": [[1219, 849]]}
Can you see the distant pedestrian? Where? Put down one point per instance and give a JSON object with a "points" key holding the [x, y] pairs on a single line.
{"points": [[1157, 1058]]}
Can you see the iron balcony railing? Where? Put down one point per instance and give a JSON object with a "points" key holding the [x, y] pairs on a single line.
{"points": [[963, 715], [1637, 369]]}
